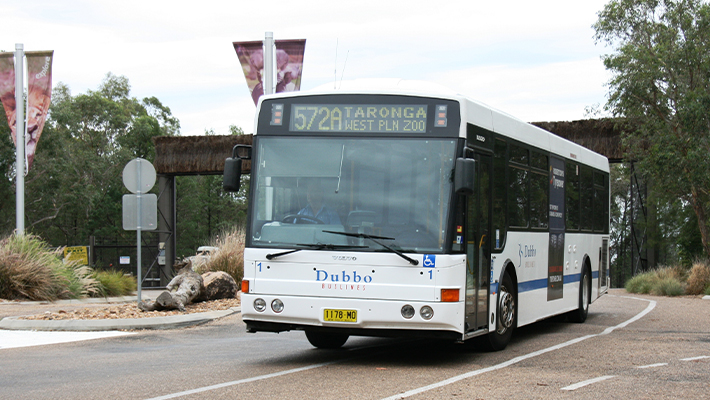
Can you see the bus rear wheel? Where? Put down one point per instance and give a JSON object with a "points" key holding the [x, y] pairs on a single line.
{"points": [[507, 315], [324, 340], [585, 287]]}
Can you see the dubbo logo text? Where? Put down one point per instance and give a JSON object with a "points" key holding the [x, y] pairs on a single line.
{"points": [[342, 280]]}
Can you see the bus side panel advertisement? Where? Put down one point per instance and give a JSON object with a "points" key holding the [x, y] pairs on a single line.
{"points": [[555, 270]]}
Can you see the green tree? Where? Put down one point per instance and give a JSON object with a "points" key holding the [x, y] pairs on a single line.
{"points": [[75, 186], [660, 68]]}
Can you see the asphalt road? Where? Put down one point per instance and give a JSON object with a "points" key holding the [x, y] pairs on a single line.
{"points": [[630, 348]]}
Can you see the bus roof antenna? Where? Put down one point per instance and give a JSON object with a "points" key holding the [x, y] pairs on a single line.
{"points": [[344, 64]]}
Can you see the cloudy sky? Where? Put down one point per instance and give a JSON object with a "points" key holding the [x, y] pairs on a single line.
{"points": [[536, 60]]}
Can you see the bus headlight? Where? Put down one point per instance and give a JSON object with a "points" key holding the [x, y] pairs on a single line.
{"points": [[259, 305], [407, 311], [426, 312], [277, 305]]}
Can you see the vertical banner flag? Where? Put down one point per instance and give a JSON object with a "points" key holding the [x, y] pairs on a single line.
{"points": [[39, 64], [289, 65], [7, 90], [39, 73]]}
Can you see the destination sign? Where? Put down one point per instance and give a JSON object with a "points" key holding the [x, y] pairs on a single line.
{"points": [[366, 118]]}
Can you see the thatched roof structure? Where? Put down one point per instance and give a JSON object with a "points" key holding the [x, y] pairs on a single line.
{"points": [[600, 135], [196, 155], [205, 155]]}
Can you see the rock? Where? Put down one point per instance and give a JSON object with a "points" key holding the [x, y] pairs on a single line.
{"points": [[218, 285]]}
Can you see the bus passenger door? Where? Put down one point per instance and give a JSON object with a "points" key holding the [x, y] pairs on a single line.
{"points": [[478, 246]]}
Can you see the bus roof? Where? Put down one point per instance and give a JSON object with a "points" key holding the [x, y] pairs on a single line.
{"points": [[472, 112]]}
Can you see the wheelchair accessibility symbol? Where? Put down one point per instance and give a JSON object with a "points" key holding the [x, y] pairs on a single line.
{"points": [[429, 261]]}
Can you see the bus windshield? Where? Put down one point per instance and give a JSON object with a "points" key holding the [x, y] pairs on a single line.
{"points": [[308, 190]]}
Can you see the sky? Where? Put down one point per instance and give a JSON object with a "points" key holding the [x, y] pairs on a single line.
{"points": [[535, 60]]}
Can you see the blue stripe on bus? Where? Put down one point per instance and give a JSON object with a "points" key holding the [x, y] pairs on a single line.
{"points": [[574, 278], [536, 284], [532, 285]]}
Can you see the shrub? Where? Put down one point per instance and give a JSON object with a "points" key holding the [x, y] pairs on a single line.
{"points": [[31, 270], [665, 281], [641, 283], [77, 280], [668, 287], [115, 283], [25, 271], [699, 278], [230, 256]]}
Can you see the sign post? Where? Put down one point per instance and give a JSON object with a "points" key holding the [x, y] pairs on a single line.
{"points": [[139, 209]]}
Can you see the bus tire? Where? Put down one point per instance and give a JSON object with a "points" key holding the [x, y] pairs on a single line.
{"points": [[585, 290], [324, 340], [506, 318]]}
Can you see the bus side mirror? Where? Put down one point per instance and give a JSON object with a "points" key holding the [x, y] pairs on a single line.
{"points": [[232, 178], [464, 176]]}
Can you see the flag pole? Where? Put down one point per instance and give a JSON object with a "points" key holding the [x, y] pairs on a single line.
{"points": [[20, 139], [269, 63]]}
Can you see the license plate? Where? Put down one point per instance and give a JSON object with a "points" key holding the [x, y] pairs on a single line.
{"points": [[340, 315]]}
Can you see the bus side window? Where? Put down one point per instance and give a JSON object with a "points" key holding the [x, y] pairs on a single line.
{"points": [[572, 193], [539, 191], [601, 202], [518, 187], [587, 198]]}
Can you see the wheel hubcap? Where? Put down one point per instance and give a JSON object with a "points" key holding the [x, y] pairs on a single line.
{"points": [[506, 311]]}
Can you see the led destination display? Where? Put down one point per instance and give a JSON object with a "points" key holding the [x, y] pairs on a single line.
{"points": [[375, 118]]}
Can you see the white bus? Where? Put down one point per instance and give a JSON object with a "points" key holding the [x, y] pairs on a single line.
{"points": [[397, 208]]}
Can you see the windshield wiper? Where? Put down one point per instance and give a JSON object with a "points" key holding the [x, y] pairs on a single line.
{"points": [[373, 237], [315, 246]]}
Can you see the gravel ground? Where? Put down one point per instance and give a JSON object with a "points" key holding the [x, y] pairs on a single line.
{"points": [[53, 311]]}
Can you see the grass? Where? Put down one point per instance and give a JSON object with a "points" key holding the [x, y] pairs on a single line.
{"points": [[673, 281], [230, 256], [115, 283], [31, 270]]}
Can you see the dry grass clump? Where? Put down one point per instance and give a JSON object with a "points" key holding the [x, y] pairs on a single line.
{"points": [[699, 278], [673, 281], [31, 270], [230, 256], [665, 281]]}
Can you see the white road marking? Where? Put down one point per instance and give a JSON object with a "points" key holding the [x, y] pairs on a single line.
{"points": [[694, 358], [587, 382], [653, 365], [239, 382], [260, 377], [651, 306], [14, 339]]}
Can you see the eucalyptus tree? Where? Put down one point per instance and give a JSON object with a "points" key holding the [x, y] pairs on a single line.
{"points": [[660, 65], [75, 187]]}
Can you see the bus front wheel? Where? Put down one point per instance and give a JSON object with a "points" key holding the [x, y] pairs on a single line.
{"points": [[324, 340], [506, 318]]}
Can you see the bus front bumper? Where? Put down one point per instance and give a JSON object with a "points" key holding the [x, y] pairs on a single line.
{"points": [[372, 317]]}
